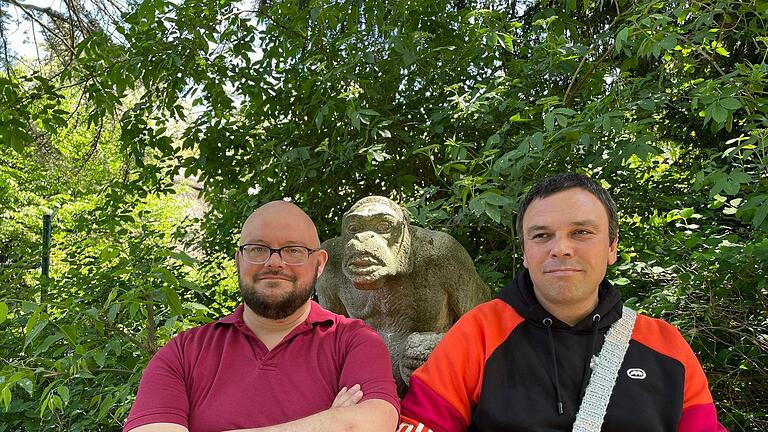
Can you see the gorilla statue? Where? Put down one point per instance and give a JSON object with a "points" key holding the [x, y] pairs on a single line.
{"points": [[409, 283]]}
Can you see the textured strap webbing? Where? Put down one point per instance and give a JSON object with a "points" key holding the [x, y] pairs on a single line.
{"points": [[606, 367]]}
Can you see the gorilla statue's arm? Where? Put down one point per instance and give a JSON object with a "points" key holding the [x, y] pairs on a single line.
{"points": [[327, 294], [461, 301], [466, 289]]}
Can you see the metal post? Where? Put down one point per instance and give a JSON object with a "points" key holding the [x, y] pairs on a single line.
{"points": [[46, 259]]}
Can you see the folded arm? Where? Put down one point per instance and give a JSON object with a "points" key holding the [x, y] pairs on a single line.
{"points": [[346, 414], [374, 415]]}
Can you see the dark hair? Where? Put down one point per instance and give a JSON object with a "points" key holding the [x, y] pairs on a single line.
{"points": [[564, 181]]}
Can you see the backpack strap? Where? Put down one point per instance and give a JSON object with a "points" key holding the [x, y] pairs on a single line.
{"points": [[591, 412]]}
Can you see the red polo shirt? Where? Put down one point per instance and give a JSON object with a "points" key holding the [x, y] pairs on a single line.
{"points": [[221, 376]]}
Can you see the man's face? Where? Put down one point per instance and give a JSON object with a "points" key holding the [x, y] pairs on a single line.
{"points": [[567, 249], [275, 290]]}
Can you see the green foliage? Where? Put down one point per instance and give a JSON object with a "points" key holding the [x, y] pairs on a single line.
{"points": [[452, 108], [74, 345]]}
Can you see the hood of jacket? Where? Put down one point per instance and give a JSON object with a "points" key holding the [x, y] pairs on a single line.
{"points": [[519, 294]]}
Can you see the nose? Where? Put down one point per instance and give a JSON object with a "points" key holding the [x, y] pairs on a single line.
{"points": [[561, 246], [274, 260]]}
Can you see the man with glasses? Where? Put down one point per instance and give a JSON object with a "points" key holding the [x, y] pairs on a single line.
{"points": [[280, 362]]}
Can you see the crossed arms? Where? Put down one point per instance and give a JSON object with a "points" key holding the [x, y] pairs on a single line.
{"points": [[345, 414]]}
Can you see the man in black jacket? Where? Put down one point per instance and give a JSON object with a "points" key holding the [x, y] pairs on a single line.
{"points": [[557, 350]]}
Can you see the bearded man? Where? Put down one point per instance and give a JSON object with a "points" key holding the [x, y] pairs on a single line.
{"points": [[280, 362]]}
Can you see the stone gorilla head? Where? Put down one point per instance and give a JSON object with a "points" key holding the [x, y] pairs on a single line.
{"points": [[377, 242]]}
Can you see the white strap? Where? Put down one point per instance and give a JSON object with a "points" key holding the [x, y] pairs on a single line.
{"points": [[590, 416]]}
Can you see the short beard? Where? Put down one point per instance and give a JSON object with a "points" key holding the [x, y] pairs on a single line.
{"points": [[282, 307]]}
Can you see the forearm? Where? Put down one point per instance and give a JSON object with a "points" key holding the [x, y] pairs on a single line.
{"points": [[373, 415]]}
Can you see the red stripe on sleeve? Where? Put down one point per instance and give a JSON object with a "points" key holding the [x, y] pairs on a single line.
{"points": [[700, 418], [430, 409], [445, 390]]}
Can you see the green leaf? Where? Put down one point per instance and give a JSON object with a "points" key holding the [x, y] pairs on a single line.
{"points": [[112, 313], [686, 213], [56, 402], [32, 321], [3, 312], [18, 139], [63, 391], [369, 112], [722, 51], [719, 114], [184, 258], [355, 119], [647, 104], [621, 38], [740, 177], [495, 199], [477, 205], [506, 41], [108, 254], [164, 274], [27, 385], [732, 187], [173, 301], [35, 332], [669, 42], [549, 121], [71, 333], [730, 103], [494, 213], [6, 396], [43, 347], [566, 111], [760, 215], [100, 357], [537, 140]]}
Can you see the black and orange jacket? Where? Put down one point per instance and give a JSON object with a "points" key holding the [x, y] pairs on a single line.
{"points": [[508, 365]]}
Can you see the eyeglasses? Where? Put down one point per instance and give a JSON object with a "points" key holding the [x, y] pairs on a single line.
{"points": [[291, 255]]}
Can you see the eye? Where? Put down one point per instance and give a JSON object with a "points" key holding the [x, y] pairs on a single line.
{"points": [[353, 228], [583, 232], [384, 227], [255, 249], [540, 236], [294, 251]]}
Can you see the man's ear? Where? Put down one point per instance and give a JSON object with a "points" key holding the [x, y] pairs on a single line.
{"points": [[322, 258], [612, 251]]}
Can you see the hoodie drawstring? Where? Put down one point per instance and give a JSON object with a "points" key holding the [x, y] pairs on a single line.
{"points": [[590, 355], [548, 324], [595, 321]]}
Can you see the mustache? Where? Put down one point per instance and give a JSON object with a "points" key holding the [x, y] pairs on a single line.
{"points": [[277, 273]]}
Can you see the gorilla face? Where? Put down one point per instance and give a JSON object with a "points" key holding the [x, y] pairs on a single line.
{"points": [[377, 243]]}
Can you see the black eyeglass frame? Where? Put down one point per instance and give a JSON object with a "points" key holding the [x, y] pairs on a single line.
{"points": [[279, 252]]}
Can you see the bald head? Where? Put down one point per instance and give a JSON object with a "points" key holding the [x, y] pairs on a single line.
{"points": [[280, 222]]}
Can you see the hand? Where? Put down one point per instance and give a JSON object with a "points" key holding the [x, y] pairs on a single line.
{"points": [[348, 397]]}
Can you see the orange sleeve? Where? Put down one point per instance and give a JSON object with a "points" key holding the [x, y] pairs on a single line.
{"points": [[665, 339], [449, 383]]}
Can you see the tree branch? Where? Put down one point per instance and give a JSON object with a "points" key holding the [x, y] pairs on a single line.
{"points": [[568, 95], [25, 8]]}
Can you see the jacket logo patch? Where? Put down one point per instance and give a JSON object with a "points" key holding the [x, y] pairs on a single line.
{"points": [[636, 373]]}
